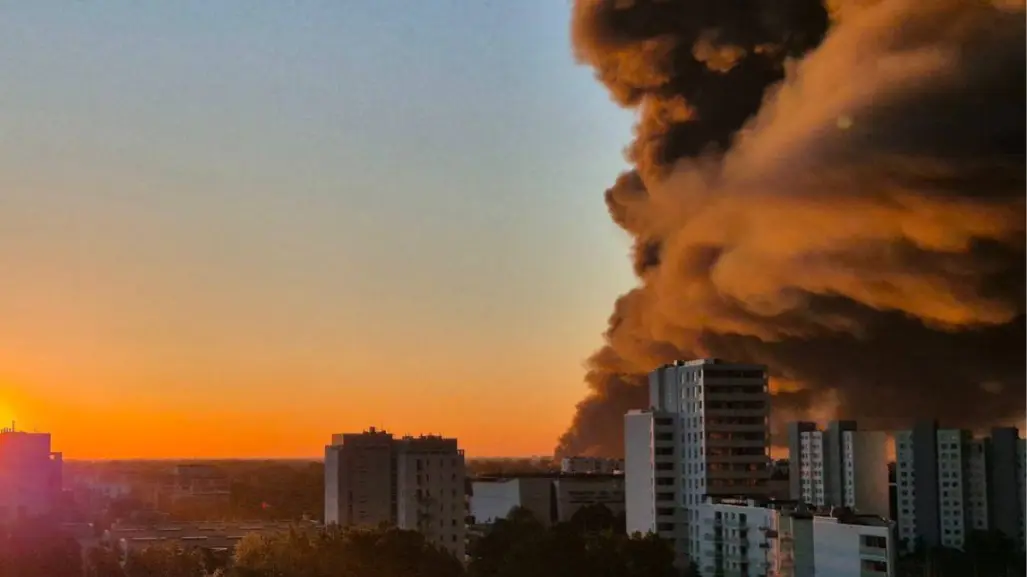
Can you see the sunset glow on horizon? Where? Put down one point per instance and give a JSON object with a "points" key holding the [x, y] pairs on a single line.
{"points": [[231, 231]]}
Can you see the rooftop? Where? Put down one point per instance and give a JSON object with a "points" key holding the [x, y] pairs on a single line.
{"points": [[548, 475]]}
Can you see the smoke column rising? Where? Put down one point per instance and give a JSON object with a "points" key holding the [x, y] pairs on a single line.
{"points": [[835, 192]]}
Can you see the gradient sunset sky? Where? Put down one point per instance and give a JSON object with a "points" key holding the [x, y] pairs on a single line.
{"points": [[230, 229]]}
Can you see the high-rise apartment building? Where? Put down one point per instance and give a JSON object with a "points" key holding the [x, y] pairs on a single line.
{"points": [[430, 490], [30, 475], [839, 466], [414, 483], [950, 483], [1004, 455], [706, 433], [360, 479]]}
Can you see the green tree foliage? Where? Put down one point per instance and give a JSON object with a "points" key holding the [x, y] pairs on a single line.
{"points": [[589, 545], [597, 518], [38, 548], [334, 552], [165, 561]]}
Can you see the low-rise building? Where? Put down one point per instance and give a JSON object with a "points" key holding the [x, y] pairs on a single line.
{"points": [[786, 539], [551, 498], [585, 465], [493, 498]]}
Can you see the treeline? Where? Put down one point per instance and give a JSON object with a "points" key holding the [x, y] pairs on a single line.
{"points": [[266, 490], [592, 544], [984, 554]]}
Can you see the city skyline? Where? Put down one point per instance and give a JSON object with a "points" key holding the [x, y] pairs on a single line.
{"points": [[227, 231]]}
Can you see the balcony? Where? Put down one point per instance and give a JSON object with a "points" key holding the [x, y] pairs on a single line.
{"points": [[753, 443]]}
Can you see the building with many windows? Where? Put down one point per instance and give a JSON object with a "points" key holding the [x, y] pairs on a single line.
{"points": [[839, 466], [787, 539], [30, 475], [415, 483], [948, 483], [550, 497], [430, 492], [593, 465], [705, 433]]}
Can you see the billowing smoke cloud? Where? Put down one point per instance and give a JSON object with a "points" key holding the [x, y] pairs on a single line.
{"points": [[837, 193]]}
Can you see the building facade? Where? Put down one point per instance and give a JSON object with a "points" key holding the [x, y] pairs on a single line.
{"points": [[706, 433], [492, 499], [948, 483], [430, 478], [839, 466], [551, 498], [591, 465], [360, 479], [30, 475], [414, 483], [786, 539]]}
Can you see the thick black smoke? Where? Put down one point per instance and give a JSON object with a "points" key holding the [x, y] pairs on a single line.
{"points": [[837, 194]]}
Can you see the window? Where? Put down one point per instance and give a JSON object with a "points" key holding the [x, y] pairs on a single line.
{"points": [[874, 541], [874, 566]]}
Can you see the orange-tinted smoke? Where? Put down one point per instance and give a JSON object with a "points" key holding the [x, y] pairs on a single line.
{"points": [[857, 226]]}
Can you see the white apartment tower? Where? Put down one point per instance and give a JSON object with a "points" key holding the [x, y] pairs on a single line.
{"points": [[839, 466], [706, 433], [414, 483], [948, 483]]}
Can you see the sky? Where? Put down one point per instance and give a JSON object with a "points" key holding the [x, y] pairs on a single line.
{"points": [[232, 229]]}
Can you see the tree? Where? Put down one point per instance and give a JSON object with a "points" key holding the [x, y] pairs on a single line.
{"points": [[597, 518], [335, 552], [589, 545], [165, 561], [103, 561], [488, 552], [38, 547]]}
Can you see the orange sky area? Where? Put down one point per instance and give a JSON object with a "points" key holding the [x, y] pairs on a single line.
{"points": [[244, 416]]}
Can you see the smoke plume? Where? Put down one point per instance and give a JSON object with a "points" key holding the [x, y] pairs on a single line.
{"points": [[835, 191]]}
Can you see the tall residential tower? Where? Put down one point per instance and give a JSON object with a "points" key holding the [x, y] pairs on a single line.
{"points": [[839, 466], [950, 483], [705, 433], [414, 483]]}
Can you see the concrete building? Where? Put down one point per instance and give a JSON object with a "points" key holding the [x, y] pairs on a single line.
{"points": [[839, 466], [585, 465], [652, 483], [551, 498], [572, 492], [706, 433], [414, 483], [492, 499], [30, 475], [785, 539], [360, 479], [430, 478], [1004, 456], [950, 483]]}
